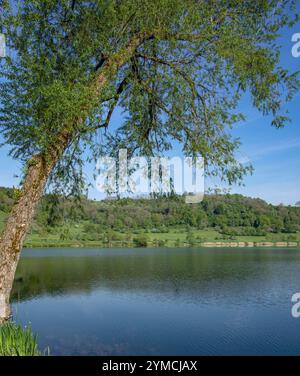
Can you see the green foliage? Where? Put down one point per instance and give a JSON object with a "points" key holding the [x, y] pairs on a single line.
{"points": [[103, 220], [182, 82], [163, 221], [16, 194], [51, 213], [6, 199], [65, 234], [140, 241], [177, 243], [16, 341], [190, 238]]}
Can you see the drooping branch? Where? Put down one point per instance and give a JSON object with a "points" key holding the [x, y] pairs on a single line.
{"points": [[112, 107], [188, 79], [176, 69]]}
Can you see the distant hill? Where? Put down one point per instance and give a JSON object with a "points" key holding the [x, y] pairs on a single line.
{"points": [[230, 214]]}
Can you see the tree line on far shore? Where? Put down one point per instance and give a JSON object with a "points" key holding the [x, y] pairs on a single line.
{"points": [[229, 214]]}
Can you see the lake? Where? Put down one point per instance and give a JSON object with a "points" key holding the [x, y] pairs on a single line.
{"points": [[160, 301]]}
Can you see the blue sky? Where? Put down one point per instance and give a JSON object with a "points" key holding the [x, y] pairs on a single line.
{"points": [[274, 153]]}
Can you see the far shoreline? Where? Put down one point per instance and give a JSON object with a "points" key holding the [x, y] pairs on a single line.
{"points": [[198, 245]]}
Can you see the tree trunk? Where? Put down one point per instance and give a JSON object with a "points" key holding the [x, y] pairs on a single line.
{"points": [[20, 218], [17, 226], [39, 169]]}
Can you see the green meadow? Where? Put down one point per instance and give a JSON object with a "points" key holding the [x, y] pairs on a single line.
{"points": [[156, 222]]}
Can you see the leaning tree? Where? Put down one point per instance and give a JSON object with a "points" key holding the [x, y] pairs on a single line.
{"points": [[176, 68]]}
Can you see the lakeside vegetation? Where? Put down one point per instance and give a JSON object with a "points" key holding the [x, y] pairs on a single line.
{"points": [[17, 341], [159, 222]]}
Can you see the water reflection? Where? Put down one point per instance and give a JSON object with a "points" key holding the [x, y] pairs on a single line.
{"points": [[160, 301]]}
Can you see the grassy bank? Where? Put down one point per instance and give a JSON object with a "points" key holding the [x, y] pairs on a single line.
{"points": [[16, 341], [176, 237]]}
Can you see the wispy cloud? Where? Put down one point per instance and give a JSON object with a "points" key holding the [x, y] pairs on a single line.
{"points": [[260, 152], [286, 145]]}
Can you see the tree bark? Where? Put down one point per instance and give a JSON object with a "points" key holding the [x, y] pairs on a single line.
{"points": [[17, 227], [20, 218], [39, 169]]}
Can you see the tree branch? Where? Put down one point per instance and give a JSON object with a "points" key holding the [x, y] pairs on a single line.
{"points": [[116, 97], [175, 68]]}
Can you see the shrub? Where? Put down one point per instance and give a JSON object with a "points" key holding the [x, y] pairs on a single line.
{"points": [[177, 243], [140, 241]]}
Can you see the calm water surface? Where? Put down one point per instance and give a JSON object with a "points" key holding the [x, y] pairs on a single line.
{"points": [[160, 301]]}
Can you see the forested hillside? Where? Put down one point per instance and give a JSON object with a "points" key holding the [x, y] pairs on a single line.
{"points": [[160, 220]]}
